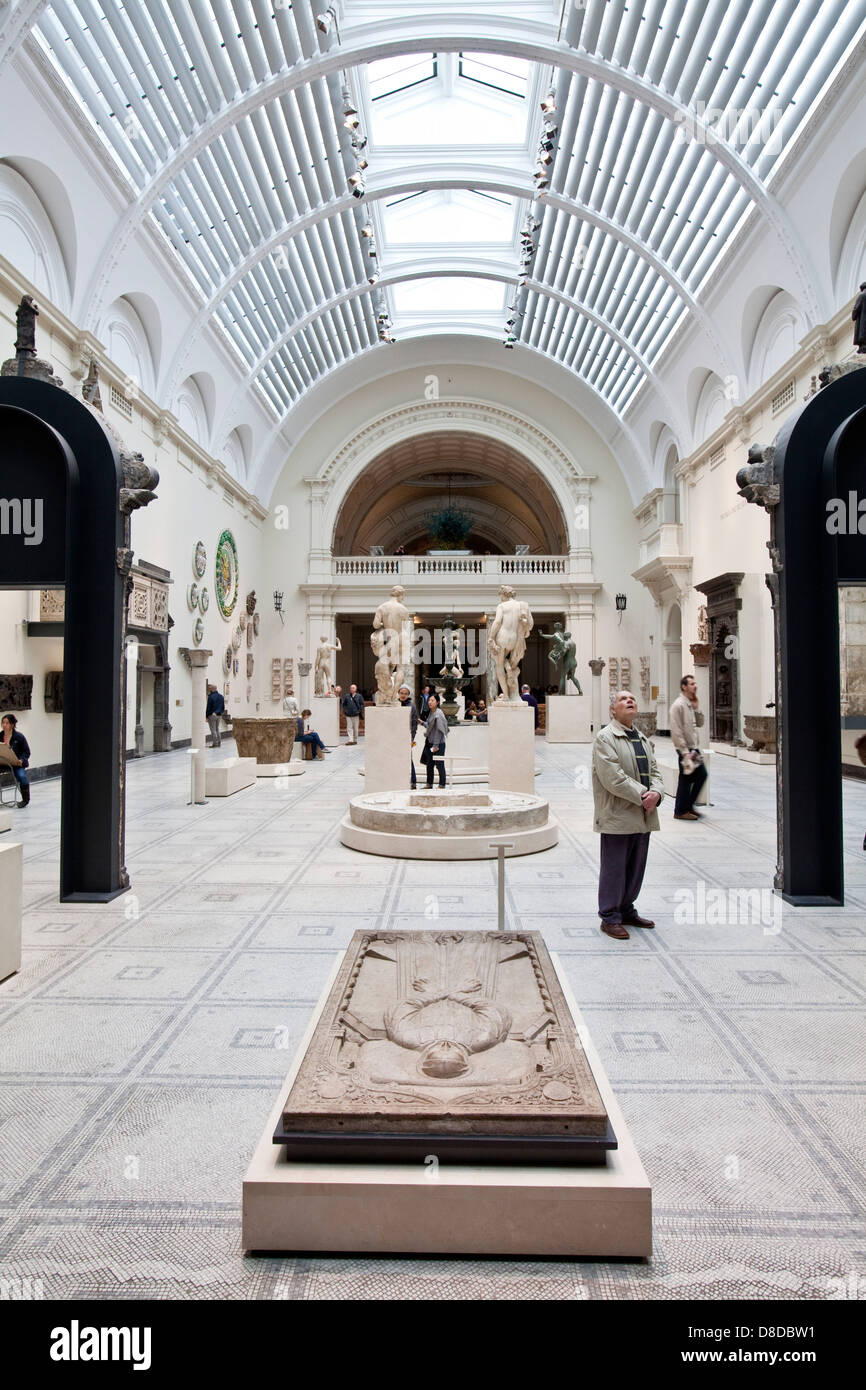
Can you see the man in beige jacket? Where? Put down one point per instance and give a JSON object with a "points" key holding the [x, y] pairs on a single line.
{"points": [[686, 719], [626, 789]]}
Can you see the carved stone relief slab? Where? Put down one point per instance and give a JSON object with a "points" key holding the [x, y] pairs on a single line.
{"points": [[52, 605], [446, 1033], [53, 692], [16, 693]]}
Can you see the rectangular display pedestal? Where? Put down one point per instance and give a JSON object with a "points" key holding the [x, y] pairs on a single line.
{"points": [[388, 749], [325, 719], [568, 719], [11, 866], [432, 1208], [512, 748]]}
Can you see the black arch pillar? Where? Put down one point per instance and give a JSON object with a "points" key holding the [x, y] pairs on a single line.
{"points": [[54, 450], [817, 461]]}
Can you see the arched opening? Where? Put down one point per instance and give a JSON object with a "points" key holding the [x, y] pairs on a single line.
{"points": [[505, 501]]}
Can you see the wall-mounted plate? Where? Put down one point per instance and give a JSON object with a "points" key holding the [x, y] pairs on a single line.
{"points": [[199, 560]]}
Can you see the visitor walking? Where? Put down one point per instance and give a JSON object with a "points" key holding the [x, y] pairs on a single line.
{"points": [[310, 736], [686, 719], [424, 705], [406, 699], [214, 712], [21, 748], [434, 742], [352, 705], [626, 790]]}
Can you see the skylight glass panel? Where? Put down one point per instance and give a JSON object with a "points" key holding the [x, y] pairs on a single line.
{"points": [[509, 75], [449, 294], [392, 75], [452, 217]]}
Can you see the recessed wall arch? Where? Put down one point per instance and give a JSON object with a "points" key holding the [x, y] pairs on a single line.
{"points": [[29, 239]]}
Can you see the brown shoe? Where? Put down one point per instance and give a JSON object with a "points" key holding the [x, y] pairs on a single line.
{"points": [[615, 930], [688, 815], [636, 921]]}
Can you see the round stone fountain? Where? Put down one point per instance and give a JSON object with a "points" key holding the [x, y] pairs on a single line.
{"points": [[451, 823]]}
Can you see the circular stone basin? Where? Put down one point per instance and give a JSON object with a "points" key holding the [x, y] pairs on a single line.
{"points": [[451, 811]]}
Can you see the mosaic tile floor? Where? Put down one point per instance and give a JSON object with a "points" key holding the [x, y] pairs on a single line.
{"points": [[144, 1041]]}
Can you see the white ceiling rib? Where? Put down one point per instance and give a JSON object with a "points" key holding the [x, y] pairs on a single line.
{"points": [[152, 74]]}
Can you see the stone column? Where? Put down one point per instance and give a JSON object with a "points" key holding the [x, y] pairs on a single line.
{"points": [[596, 666], [701, 658]]}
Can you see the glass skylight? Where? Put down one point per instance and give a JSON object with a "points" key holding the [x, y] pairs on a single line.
{"points": [[638, 211]]}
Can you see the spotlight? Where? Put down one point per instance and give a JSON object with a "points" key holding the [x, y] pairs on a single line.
{"points": [[324, 22], [362, 164], [541, 179], [373, 277], [367, 229], [358, 190], [351, 122], [549, 103], [278, 604]]}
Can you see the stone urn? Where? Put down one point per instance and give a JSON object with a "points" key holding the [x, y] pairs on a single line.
{"points": [[266, 740], [761, 729]]}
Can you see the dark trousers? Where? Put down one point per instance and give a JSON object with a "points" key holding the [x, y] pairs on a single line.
{"points": [[414, 781], [623, 861], [430, 761], [311, 738], [688, 787]]}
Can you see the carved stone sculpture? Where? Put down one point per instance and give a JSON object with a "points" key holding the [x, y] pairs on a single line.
{"points": [[323, 664], [392, 622], [16, 693], [461, 1034], [506, 639], [563, 655], [53, 692], [266, 740]]}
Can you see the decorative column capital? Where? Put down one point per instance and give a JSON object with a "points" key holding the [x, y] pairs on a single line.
{"points": [[596, 666]]}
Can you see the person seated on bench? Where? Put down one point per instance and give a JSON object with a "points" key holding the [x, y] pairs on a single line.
{"points": [[312, 737]]}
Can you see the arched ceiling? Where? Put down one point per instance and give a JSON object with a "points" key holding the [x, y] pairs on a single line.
{"points": [[669, 124], [511, 501]]}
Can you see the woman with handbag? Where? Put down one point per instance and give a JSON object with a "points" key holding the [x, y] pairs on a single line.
{"points": [[434, 742]]}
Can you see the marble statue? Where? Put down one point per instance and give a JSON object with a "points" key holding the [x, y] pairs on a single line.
{"points": [[703, 624], [451, 653], [506, 639], [291, 706], [563, 654], [25, 318], [392, 627], [859, 317], [323, 664]]}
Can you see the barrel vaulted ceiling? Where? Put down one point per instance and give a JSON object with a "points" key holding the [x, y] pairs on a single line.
{"points": [[562, 177]]}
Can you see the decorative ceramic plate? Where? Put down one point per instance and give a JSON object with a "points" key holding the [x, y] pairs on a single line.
{"points": [[227, 574], [250, 665], [236, 667], [192, 595], [199, 560], [242, 622], [227, 660], [198, 631], [256, 623], [236, 639], [250, 635], [204, 600]]}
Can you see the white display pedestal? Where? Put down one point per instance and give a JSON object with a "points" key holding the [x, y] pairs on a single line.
{"points": [[11, 866], [512, 747], [325, 719], [587, 1211], [388, 748], [568, 719]]}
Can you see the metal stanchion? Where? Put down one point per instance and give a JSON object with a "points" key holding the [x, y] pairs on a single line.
{"points": [[501, 846], [192, 757]]}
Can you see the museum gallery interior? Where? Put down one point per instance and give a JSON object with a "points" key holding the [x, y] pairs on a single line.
{"points": [[398, 402]]}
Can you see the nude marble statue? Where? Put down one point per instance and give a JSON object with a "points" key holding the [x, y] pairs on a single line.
{"points": [[506, 639]]}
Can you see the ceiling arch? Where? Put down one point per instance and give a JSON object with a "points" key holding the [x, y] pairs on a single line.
{"points": [[225, 124]]}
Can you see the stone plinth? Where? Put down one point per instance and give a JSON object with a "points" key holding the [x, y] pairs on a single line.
{"points": [[325, 719], [266, 740], [11, 866], [512, 747], [584, 1211], [388, 748], [230, 776], [455, 823], [568, 719]]}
